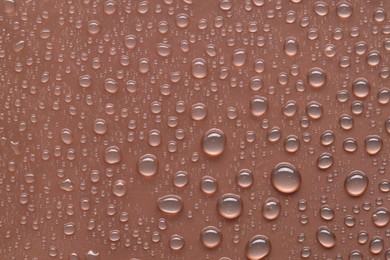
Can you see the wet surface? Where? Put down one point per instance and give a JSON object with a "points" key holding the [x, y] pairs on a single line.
{"points": [[194, 129]]}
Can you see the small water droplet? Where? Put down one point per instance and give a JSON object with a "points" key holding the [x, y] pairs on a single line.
{"points": [[271, 208]]}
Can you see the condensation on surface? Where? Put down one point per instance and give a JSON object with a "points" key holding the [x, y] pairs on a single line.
{"points": [[183, 129]]}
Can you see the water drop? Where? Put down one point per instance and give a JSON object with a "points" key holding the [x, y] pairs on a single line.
{"points": [[198, 111], [209, 185], [170, 204], [66, 136], [199, 68], [259, 105], [326, 212], [316, 77], [324, 161], [356, 183], [93, 27], [211, 237], [285, 178], [361, 88], [119, 188], [326, 237], [239, 57], [100, 126], [271, 208], [258, 247], [344, 10], [147, 165], [291, 46], [112, 155], [230, 206], [176, 242], [213, 142], [373, 144], [244, 178], [381, 217]]}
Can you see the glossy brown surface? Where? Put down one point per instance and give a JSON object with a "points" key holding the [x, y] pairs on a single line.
{"points": [[194, 129]]}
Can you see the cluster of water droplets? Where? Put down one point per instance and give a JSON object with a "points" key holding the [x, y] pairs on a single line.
{"points": [[126, 123]]}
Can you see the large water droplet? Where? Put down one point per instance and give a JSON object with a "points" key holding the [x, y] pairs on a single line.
{"points": [[258, 105], [258, 247], [356, 183], [285, 178], [199, 68], [170, 204], [230, 206], [326, 237], [381, 217], [112, 155], [147, 165], [213, 142], [316, 77], [373, 144], [211, 237]]}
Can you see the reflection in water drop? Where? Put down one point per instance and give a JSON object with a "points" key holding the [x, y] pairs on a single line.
{"points": [[258, 247], [230, 206], [285, 178]]}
